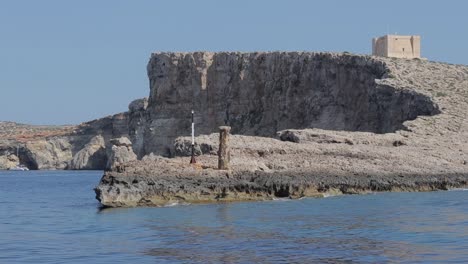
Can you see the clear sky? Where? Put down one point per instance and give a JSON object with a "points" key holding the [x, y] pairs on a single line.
{"points": [[66, 62]]}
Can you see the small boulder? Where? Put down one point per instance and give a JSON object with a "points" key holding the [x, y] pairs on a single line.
{"points": [[183, 148], [398, 143], [138, 105], [288, 135], [313, 135]]}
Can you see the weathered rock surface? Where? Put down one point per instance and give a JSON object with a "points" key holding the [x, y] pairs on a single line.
{"points": [[8, 161], [92, 156], [17, 139], [303, 124], [120, 153], [121, 142], [62, 147], [266, 168], [138, 105], [327, 123], [49, 153], [262, 93], [137, 125], [128, 191], [183, 147]]}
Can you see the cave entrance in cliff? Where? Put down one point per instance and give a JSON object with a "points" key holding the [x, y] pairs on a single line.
{"points": [[26, 160]]}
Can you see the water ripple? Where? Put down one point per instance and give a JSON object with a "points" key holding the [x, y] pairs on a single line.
{"points": [[52, 217]]}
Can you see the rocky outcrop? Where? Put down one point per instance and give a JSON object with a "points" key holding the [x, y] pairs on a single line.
{"points": [[8, 161], [307, 124], [262, 93], [49, 153], [120, 154], [81, 147], [201, 187], [294, 96], [93, 156], [45, 147], [137, 125], [183, 147], [267, 168]]}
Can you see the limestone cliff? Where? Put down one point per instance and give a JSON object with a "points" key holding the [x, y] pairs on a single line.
{"points": [[259, 94], [306, 124], [61, 147], [263, 92]]}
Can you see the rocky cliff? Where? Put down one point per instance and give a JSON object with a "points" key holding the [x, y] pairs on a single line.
{"points": [[307, 124], [265, 92], [60, 147], [259, 94]]}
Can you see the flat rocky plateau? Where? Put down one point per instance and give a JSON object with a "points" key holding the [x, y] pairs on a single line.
{"points": [[353, 124]]}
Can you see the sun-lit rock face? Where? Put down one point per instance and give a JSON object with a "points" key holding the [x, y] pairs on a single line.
{"points": [[261, 93]]}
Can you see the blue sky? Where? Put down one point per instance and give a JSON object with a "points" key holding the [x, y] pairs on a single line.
{"points": [[66, 62]]}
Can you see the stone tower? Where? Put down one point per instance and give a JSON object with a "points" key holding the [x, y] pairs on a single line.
{"points": [[397, 46]]}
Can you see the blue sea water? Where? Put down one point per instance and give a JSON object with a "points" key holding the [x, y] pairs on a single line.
{"points": [[53, 217]]}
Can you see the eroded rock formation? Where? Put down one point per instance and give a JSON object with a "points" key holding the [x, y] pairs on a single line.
{"points": [[120, 153], [92, 156], [328, 123], [62, 147], [262, 93]]}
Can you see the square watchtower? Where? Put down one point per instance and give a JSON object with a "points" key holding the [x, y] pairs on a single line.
{"points": [[397, 46]]}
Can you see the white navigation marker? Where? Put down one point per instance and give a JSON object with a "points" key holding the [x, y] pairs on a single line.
{"points": [[193, 130], [192, 159]]}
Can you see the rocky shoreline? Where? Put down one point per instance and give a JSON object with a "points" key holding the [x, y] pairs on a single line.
{"points": [[267, 168], [303, 124], [117, 190]]}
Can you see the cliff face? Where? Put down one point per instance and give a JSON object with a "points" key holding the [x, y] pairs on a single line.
{"points": [[69, 147], [352, 124], [262, 93], [259, 94]]}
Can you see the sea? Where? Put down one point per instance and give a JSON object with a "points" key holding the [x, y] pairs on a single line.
{"points": [[53, 217]]}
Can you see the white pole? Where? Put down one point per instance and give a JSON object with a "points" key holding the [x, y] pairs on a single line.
{"points": [[192, 159], [193, 130]]}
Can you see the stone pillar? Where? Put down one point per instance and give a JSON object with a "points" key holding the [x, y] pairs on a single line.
{"points": [[224, 152]]}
